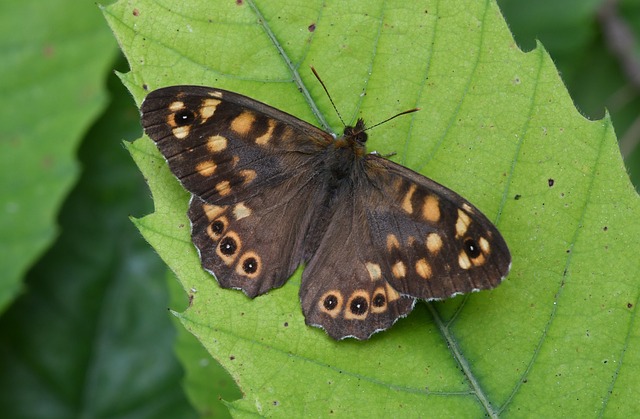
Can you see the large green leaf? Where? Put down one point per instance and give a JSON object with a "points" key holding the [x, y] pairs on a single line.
{"points": [[497, 125], [55, 56]]}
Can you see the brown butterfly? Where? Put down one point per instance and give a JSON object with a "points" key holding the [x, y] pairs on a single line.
{"points": [[271, 192]]}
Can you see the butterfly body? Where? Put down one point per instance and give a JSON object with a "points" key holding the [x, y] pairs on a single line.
{"points": [[272, 192]]}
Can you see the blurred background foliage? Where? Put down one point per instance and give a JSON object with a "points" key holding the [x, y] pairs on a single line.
{"points": [[87, 333], [596, 47]]}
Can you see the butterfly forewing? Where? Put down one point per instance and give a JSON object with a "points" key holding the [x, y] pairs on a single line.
{"points": [[224, 147], [436, 244], [271, 192]]}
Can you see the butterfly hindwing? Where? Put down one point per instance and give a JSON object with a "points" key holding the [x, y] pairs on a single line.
{"points": [[344, 289], [239, 244]]}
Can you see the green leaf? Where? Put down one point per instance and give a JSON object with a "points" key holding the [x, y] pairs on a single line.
{"points": [[497, 126], [51, 83]]}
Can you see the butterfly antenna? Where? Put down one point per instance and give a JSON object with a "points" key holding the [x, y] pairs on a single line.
{"points": [[315, 73], [394, 116]]}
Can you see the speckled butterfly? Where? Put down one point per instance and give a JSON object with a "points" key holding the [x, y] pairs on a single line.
{"points": [[271, 192]]}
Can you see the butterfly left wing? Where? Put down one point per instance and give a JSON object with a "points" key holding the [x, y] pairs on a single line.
{"points": [[402, 236]]}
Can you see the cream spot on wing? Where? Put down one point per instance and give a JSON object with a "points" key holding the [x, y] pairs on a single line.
{"points": [[434, 243], [242, 123], [375, 273], [406, 202], [467, 208], [208, 108], [206, 168], [248, 175], [241, 211], [392, 242], [224, 188], [264, 138], [463, 260], [212, 211], [399, 270], [216, 143], [176, 106], [392, 294], [181, 132], [423, 269], [216, 93], [431, 208], [484, 245], [462, 223]]}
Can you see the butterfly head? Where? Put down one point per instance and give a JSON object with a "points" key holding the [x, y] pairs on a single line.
{"points": [[354, 138], [356, 135]]}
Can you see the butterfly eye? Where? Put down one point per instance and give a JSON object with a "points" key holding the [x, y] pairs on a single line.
{"points": [[184, 117], [228, 246], [471, 248]]}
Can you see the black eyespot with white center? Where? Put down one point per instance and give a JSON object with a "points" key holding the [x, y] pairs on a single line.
{"points": [[228, 246], [330, 302], [471, 248], [184, 117], [359, 306], [250, 265]]}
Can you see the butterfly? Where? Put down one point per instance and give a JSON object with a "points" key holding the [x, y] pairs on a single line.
{"points": [[271, 192]]}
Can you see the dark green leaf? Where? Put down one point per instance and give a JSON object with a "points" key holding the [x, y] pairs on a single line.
{"points": [[55, 58]]}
